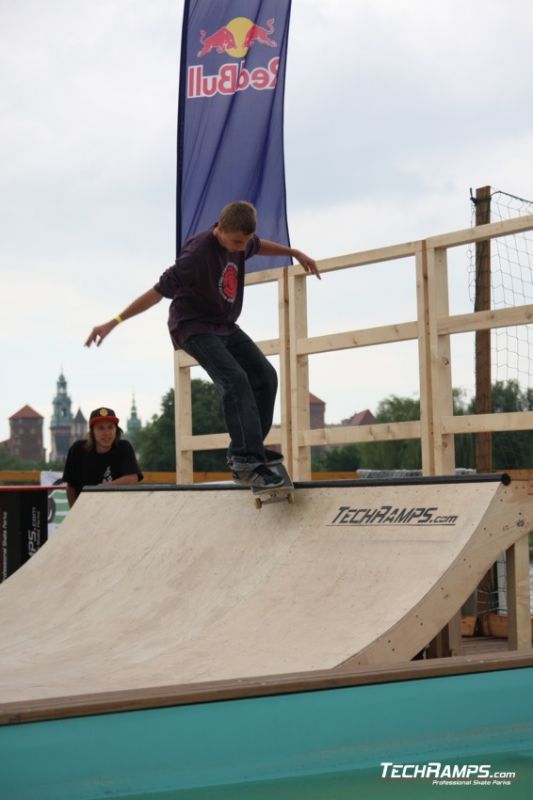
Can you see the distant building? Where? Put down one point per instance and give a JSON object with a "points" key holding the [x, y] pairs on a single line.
{"points": [[26, 435], [317, 412], [62, 424], [365, 417], [80, 425], [134, 423], [26, 428]]}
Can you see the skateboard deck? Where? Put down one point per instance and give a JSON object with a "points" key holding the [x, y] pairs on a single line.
{"points": [[264, 495]]}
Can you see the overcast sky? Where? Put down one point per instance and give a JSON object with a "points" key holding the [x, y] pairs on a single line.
{"points": [[394, 109]]}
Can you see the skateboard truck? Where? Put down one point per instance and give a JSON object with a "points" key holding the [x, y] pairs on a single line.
{"points": [[275, 494]]}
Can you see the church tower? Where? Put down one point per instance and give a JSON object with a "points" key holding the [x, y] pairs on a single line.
{"points": [[80, 425], [134, 423], [61, 426]]}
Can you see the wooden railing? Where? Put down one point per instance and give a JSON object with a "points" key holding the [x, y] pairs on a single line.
{"points": [[432, 330], [33, 476]]}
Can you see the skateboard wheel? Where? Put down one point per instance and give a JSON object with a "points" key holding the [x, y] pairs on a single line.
{"points": [[290, 498], [258, 502]]}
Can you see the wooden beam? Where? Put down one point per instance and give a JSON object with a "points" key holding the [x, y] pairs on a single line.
{"points": [[475, 423], [481, 232], [440, 382], [401, 332], [219, 441], [518, 595], [424, 362], [285, 369], [20, 476], [299, 378], [183, 421], [483, 320], [349, 434]]}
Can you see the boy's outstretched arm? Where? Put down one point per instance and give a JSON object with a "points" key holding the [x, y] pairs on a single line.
{"points": [[274, 249], [142, 303]]}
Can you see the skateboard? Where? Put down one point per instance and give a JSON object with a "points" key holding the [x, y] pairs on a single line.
{"points": [[264, 495]]}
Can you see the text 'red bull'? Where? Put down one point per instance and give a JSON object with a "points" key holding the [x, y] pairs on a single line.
{"points": [[231, 78]]}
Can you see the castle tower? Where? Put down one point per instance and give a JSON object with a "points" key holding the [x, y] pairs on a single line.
{"points": [[80, 426], [62, 424], [134, 423], [26, 434]]}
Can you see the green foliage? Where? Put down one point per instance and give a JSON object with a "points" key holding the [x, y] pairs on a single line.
{"points": [[400, 454], [207, 417], [9, 461], [510, 449], [336, 459], [465, 443], [155, 443]]}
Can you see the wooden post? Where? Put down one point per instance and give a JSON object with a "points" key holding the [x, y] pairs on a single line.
{"points": [[437, 382], [424, 362], [299, 368], [436, 397], [183, 420], [285, 369], [518, 595], [483, 367], [483, 357]]}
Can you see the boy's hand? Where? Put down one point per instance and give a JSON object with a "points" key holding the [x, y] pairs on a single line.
{"points": [[99, 333], [309, 264]]}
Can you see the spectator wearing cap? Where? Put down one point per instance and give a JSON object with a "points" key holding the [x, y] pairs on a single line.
{"points": [[103, 458]]}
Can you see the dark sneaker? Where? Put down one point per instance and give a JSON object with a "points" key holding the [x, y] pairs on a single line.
{"points": [[263, 477], [273, 457], [260, 477], [243, 477]]}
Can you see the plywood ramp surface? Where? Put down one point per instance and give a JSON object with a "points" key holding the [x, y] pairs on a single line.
{"points": [[150, 588]]}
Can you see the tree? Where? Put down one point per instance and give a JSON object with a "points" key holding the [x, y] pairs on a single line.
{"points": [[401, 453], [155, 443], [511, 449], [336, 459], [207, 417], [9, 461], [465, 443], [398, 454]]}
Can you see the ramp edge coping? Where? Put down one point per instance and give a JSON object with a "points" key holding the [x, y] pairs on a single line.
{"points": [[424, 480]]}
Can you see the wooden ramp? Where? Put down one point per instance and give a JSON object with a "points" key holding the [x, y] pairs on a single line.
{"points": [[176, 585]]}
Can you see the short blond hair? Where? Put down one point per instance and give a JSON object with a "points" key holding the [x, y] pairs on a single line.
{"points": [[238, 217]]}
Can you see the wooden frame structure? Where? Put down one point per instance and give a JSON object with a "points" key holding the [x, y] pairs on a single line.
{"points": [[432, 329]]}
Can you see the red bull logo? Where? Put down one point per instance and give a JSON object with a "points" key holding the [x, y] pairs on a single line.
{"points": [[233, 39]]}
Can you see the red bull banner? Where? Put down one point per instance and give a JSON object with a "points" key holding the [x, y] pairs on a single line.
{"points": [[230, 116]]}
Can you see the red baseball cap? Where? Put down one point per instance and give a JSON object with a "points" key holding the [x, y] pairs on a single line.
{"points": [[103, 414]]}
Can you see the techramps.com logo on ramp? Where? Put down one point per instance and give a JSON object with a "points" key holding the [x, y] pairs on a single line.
{"points": [[392, 515], [234, 39]]}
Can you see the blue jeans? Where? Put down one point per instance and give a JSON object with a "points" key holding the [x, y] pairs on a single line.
{"points": [[248, 384]]}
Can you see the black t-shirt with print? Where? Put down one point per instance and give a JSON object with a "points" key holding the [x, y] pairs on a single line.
{"points": [[206, 286], [85, 467]]}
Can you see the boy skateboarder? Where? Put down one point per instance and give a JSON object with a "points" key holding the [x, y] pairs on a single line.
{"points": [[206, 286]]}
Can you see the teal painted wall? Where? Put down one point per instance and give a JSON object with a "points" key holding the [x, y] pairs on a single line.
{"points": [[311, 744]]}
